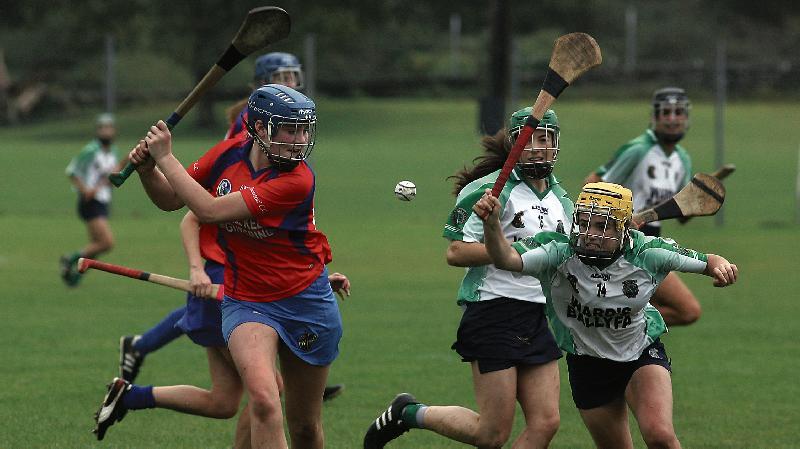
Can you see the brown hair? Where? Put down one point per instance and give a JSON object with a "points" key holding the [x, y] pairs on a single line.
{"points": [[495, 152], [232, 113]]}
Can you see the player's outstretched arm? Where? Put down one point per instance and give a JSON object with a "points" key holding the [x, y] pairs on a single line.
{"points": [[500, 251], [723, 272]]}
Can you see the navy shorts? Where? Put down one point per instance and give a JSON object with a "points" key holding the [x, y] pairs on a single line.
{"points": [[308, 323], [202, 321], [596, 382], [502, 333], [89, 210]]}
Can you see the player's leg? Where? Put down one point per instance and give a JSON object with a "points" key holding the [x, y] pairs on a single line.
{"points": [[101, 239], [649, 395], [495, 394], [254, 347], [134, 348], [608, 425], [303, 387], [676, 303], [241, 439], [221, 401], [537, 392]]}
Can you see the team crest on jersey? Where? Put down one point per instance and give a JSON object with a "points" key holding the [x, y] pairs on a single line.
{"points": [[459, 216], [517, 221], [651, 171], [573, 280], [630, 288], [224, 187], [560, 228], [306, 341]]}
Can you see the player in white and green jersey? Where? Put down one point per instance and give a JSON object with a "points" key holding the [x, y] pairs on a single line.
{"points": [[655, 167], [599, 282], [88, 173], [503, 331]]}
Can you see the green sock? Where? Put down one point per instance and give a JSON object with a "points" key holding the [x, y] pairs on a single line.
{"points": [[412, 415], [74, 257]]}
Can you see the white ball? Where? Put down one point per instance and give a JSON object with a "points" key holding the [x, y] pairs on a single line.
{"points": [[405, 190]]}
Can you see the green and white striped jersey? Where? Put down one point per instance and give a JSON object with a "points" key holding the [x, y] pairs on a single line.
{"points": [[605, 312], [92, 166], [526, 212], [642, 166]]}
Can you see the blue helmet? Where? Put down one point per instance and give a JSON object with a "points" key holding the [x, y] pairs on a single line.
{"points": [[277, 107], [281, 68]]}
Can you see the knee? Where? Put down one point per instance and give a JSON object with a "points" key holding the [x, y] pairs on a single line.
{"points": [[106, 243], [690, 313], [493, 438], [660, 436], [305, 430], [548, 425], [264, 406]]}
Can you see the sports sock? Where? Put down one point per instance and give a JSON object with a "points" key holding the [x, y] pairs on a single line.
{"points": [[412, 415], [139, 397], [160, 334]]}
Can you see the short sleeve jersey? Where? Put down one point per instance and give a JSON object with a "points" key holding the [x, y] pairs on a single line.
{"points": [[653, 176], [92, 166], [278, 252], [605, 312], [525, 213]]}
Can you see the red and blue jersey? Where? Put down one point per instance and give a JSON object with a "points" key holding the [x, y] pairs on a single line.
{"points": [[278, 252], [237, 129]]}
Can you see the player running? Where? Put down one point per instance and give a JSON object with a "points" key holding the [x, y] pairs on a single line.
{"points": [[278, 300], [599, 282], [503, 331], [655, 167]]}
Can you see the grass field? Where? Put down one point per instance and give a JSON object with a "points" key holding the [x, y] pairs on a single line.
{"points": [[734, 371]]}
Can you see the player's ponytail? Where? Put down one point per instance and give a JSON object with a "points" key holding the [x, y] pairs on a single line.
{"points": [[495, 152]]}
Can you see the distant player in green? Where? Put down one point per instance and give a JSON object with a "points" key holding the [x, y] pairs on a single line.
{"points": [[503, 332], [599, 282], [655, 167], [88, 172]]}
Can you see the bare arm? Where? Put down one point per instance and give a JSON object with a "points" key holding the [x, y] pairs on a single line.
{"points": [[155, 184], [85, 192], [500, 251], [207, 208], [199, 281], [723, 272], [467, 254]]}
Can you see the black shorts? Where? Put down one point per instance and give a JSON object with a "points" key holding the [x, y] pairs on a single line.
{"points": [[91, 209], [654, 231], [596, 382], [503, 332]]}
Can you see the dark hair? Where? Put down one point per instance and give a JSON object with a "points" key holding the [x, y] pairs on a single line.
{"points": [[495, 152]]}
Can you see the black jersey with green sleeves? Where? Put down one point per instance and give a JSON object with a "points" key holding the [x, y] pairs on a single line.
{"points": [[605, 312]]}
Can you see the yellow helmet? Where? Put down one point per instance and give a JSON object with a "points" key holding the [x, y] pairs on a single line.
{"points": [[610, 202]]}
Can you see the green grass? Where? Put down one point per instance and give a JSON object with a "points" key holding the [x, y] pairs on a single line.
{"points": [[734, 370]]}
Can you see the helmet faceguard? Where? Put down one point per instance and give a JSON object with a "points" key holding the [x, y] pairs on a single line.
{"points": [[549, 124], [601, 220], [670, 104], [279, 68], [290, 120]]}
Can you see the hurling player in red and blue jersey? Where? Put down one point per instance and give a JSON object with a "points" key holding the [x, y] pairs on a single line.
{"points": [[278, 300]]}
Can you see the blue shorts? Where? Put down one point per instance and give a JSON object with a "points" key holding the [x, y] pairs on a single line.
{"points": [[308, 323], [202, 321], [89, 210], [596, 382]]}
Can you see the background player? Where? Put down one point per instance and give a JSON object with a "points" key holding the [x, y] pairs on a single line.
{"points": [[503, 331], [655, 167], [88, 173], [599, 283]]}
